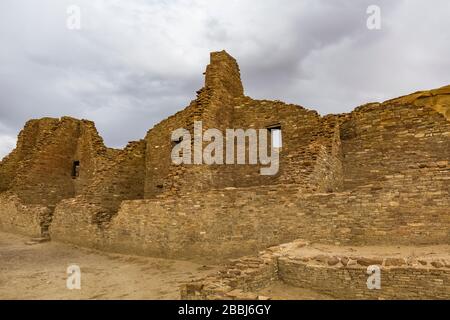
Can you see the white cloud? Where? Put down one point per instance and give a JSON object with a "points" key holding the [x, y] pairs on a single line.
{"points": [[7, 144]]}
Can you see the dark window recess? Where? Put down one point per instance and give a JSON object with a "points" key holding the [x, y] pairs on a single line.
{"points": [[76, 169]]}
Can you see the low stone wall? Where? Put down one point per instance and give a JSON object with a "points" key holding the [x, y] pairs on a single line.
{"points": [[402, 281], [19, 218], [77, 221], [237, 281], [333, 271], [232, 222]]}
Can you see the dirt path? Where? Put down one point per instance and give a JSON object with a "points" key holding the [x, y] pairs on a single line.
{"points": [[39, 272]]}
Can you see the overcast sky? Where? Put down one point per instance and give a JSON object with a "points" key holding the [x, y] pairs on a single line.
{"points": [[135, 62]]}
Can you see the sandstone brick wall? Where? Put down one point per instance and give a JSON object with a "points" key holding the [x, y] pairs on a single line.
{"points": [[380, 140], [311, 153], [238, 280], [117, 179], [40, 169], [214, 107], [17, 217], [307, 143], [237, 221], [336, 271], [349, 282], [79, 222], [162, 176]]}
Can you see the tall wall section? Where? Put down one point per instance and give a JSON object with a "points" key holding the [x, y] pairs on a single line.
{"points": [[310, 156], [214, 108], [383, 140]]}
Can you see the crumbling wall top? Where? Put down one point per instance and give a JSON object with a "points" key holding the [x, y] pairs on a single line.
{"points": [[223, 75]]}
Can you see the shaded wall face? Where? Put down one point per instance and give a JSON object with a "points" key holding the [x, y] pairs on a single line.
{"points": [[380, 141], [41, 169], [45, 176], [87, 157], [8, 169], [118, 177], [25, 147], [161, 175]]}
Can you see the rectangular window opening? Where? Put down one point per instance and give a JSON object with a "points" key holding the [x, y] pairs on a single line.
{"points": [[76, 169], [276, 136]]}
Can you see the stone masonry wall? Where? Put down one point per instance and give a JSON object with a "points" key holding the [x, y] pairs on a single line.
{"points": [[233, 222], [380, 140], [20, 218], [308, 142], [238, 280], [213, 106], [336, 271], [311, 153], [350, 282], [41, 168]]}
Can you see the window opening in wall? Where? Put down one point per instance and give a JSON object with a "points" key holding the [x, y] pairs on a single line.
{"points": [[276, 136], [76, 169]]}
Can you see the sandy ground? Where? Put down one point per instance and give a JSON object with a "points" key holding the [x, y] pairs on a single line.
{"points": [[39, 272]]}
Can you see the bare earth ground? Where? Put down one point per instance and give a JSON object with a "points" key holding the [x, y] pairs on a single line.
{"points": [[39, 272]]}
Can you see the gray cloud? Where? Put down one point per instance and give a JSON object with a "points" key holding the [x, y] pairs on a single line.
{"points": [[136, 62]]}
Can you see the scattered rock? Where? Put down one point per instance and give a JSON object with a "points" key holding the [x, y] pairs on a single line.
{"points": [[389, 262], [437, 264], [332, 261], [369, 261], [422, 262]]}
